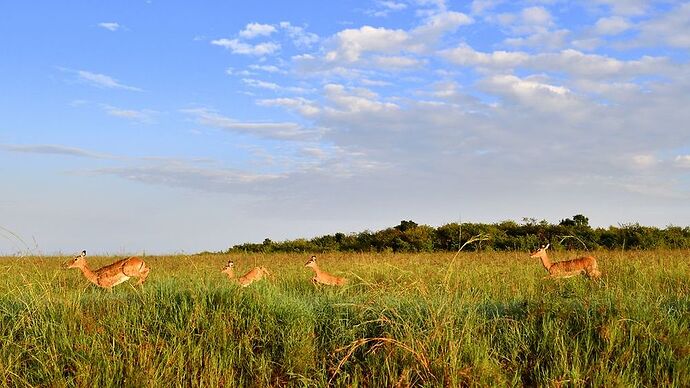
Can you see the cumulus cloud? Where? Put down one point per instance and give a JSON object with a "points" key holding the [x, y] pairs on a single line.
{"points": [[352, 45], [625, 7], [570, 61], [671, 29], [612, 25], [305, 107], [252, 30], [355, 99]]}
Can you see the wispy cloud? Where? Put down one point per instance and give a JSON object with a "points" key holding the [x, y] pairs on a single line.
{"points": [[104, 81], [265, 129], [49, 149], [145, 116], [300, 37], [110, 26], [238, 47], [184, 175], [385, 7]]}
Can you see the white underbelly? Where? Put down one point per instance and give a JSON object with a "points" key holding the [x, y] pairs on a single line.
{"points": [[121, 279]]}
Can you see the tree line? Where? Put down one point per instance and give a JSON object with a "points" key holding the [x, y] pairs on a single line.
{"points": [[408, 236]]}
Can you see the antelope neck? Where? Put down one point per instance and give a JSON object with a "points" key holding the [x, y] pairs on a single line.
{"points": [[545, 261], [89, 274]]}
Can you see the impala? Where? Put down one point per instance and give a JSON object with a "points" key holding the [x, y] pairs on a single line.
{"points": [[586, 265], [254, 275], [113, 274], [323, 277]]}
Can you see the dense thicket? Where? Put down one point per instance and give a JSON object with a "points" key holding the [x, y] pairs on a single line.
{"points": [[570, 233]]}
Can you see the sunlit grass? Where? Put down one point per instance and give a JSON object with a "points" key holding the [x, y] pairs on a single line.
{"points": [[406, 319]]}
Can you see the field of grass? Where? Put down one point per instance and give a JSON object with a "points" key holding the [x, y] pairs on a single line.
{"points": [[405, 319]]}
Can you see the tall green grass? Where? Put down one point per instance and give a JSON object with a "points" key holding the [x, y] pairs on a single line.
{"points": [[480, 319]]}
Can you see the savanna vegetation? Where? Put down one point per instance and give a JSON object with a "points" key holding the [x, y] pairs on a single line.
{"points": [[423, 319], [569, 233]]}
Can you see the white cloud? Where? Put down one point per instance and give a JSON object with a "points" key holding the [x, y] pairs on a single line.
{"points": [[612, 25], [397, 62], [110, 26], [541, 40], [352, 43], [256, 83], [438, 24], [103, 81], [267, 68], [237, 47], [50, 149], [513, 85], [299, 36], [355, 99], [265, 129], [465, 55], [260, 84], [644, 160], [385, 7], [138, 115], [670, 29], [180, 174], [683, 161], [529, 20], [481, 6], [536, 16], [252, 30], [305, 107], [572, 62], [626, 7]]}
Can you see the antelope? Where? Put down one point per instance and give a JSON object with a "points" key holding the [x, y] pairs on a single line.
{"points": [[323, 277], [254, 275], [113, 274], [586, 265]]}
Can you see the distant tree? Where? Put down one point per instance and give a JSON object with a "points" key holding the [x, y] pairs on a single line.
{"points": [[567, 222], [405, 225], [570, 233], [578, 220]]}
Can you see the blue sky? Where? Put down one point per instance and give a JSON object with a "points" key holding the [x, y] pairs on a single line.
{"points": [[162, 126]]}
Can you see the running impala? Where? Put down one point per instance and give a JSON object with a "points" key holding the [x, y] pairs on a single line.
{"points": [[586, 265], [113, 274], [323, 277], [254, 275]]}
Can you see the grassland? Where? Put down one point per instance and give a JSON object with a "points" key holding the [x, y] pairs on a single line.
{"points": [[481, 319]]}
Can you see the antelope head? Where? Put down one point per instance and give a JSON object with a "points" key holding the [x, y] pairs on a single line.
{"points": [[311, 263], [78, 261], [228, 268], [539, 252]]}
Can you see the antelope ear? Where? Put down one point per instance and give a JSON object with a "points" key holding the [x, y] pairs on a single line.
{"points": [[547, 246], [83, 253]]}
